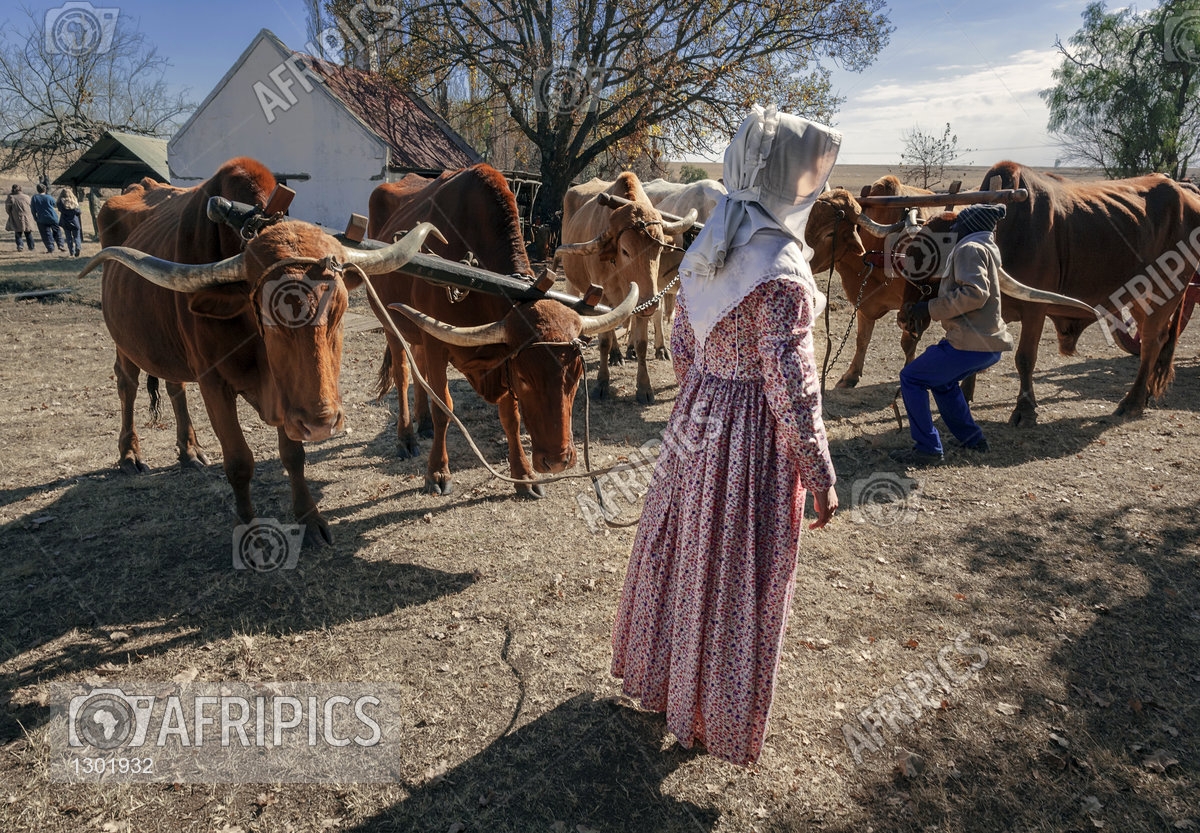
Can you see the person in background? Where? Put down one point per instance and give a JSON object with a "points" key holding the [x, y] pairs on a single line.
{"points": [[20, 217], [46, 217], [968, 307], [70, 221], [700, 626]]}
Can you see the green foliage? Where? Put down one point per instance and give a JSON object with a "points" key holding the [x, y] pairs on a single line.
{"points": [[691, 173], [1127, 94]]}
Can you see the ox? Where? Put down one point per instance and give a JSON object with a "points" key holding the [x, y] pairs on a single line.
{"points": [[524, 355], [264, 323], [677, 199], [1108, 244], [873, 290], [617, 248]]}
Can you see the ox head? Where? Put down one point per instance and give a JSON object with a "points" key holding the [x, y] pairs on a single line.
{"points": [[542, 361], [835, 220], [633, 244], [292, 281]]}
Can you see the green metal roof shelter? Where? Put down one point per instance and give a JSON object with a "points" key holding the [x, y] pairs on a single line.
{"points": [[117, 160]]}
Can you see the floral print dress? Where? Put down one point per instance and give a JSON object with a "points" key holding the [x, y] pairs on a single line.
{"points": [[709, 585]]}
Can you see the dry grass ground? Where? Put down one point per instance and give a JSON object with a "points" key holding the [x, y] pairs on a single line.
{"points": [[1068, 557]]}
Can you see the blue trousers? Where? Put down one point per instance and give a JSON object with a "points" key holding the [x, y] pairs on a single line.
{"points": [[939, 370]]}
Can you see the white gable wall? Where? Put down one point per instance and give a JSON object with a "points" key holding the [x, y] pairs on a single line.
{"points": [[262, 110]]}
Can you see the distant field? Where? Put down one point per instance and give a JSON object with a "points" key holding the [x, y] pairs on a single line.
{"points": [[854, 177]]}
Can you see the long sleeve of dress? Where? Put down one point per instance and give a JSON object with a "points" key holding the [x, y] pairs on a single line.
{"points": [[683, 341], [791, 380]]}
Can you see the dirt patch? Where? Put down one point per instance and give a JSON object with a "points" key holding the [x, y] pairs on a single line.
{"points": [[1048, 591]]}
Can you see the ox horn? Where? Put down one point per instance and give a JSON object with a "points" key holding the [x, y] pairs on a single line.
{"points": [[1013, 288], [877, 229], [480, 336], [588, 248], [596, 324], [682, 224], [180, 277], [390, 258]]}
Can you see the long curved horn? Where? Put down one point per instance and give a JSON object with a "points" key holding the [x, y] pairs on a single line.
{"points": [[180, 277], [877, 229], [588, 248], [596, 324], [480, 336], [683, 224], [390, 258], [1015, 289]]}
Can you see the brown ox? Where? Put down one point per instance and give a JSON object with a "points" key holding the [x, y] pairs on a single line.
{"points": [[1109, 244], [264, 323], [617, 248], [522, 355], [874, 289]]}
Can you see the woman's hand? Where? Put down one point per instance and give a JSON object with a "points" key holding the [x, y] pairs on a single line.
{"points": [[826, 503]]}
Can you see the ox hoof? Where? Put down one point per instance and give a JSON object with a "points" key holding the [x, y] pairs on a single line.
{"points": [[600, 390], [535, 491], [645, 397], [317, 534], [438, 487], [407, 448], [662, 353], [1129, 410], [631, 352], [847, 382], [196, 462], [1023, 418], [133, 466], [615, 357], [425, 430]]}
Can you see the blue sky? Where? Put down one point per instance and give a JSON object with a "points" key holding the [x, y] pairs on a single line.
{"points": [[977, 64]]}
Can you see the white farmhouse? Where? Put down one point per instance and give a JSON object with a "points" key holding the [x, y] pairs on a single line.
{"points": [[330, 133]]}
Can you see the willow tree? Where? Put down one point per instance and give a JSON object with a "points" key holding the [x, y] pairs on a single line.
{"points": [[578, 79], [1127, 93]]}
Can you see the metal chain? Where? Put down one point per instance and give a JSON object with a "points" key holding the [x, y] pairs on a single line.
{"points": [[656, 298]]}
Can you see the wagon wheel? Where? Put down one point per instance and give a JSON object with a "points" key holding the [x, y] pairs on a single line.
{"points": [[1129, 338]]}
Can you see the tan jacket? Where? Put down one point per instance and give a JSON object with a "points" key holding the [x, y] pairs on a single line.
{"points": [[19, 212], [968, 299]]}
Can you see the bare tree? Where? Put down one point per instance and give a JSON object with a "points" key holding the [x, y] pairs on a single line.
{"points": [[926, 156], [62, 88], [580, 79]]}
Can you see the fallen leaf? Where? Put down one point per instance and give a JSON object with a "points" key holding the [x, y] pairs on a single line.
{"points": [[1184, 824], [960, 596], [186, 676], [109, 668], [1007, 708], [118, 636], [266, 799], [457, 827], [909, 764], [1159, 761], [911, 644], [1091, 804], [1059, 739]]}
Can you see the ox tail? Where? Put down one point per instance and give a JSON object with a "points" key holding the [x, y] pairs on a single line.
{"points": [[1163, 372], [384, 383], [155, 397]]}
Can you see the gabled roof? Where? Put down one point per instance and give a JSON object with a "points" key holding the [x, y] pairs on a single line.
{"points": [[118, 159], [418, 138]]}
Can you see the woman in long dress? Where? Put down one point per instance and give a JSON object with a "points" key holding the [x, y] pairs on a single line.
{"points": [[710, 580]]}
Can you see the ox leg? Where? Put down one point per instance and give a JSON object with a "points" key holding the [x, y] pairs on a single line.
{"points": [[406, 437], [1155, 368], [128, 446], [221, 404], [607, 340], [518, 463], [437, 473], [663, 315], [190, 455], [422, 407], [1025, 414], [316, 530], [645, 393], [862, 340]]}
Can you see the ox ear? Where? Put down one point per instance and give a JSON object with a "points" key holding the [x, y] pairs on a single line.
{"points": [[608, 248], [219, 302]]}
